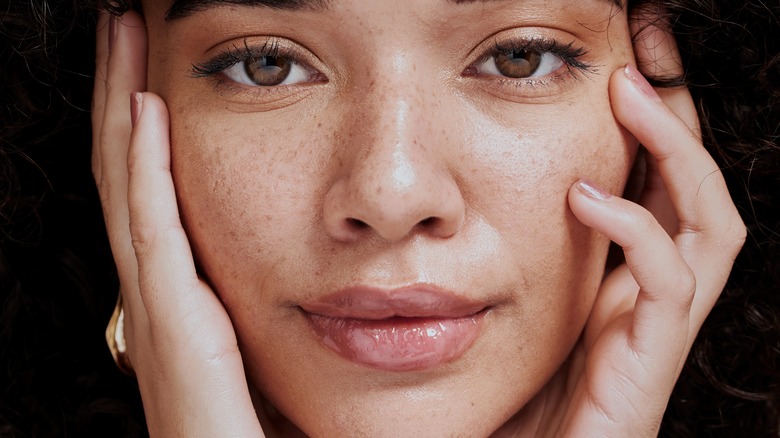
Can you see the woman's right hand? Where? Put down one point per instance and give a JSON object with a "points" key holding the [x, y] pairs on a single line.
{"points": [[180, 340]]}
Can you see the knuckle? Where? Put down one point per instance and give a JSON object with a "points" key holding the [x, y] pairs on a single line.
{"points": [[685, 283], [218, 355], [736, 233], [147, 235], [644, 221], [727, 237], [143, 236]]}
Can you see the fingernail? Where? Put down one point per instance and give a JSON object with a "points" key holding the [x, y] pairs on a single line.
{"points": [[591, 190], [640, 82], [111, 31], [136, 106]]}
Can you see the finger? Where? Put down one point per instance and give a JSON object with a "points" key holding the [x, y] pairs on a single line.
{"points": [[104, 27], [659, 324], [168, 280], [710, 230], [658, 57], [190, 332], [161, 246], [126, 72], [633, 364]]}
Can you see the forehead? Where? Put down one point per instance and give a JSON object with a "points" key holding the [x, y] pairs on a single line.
{"points": [[183, 8]]}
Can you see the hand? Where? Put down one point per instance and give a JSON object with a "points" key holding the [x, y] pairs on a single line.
{"points": [[180, 340], [679, 248]]}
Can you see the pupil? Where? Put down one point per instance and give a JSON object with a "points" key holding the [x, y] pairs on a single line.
{"points": [[268, 70]]}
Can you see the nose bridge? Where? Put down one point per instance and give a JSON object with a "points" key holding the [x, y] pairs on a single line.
{"points": [[397, 178], [402, 106], [396, 151]]}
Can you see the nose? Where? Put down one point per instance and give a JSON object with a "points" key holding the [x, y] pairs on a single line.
{"points": [[397, 179]]}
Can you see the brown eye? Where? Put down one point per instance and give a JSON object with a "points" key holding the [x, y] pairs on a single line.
{"points": [[518, 63], [268, 70]]}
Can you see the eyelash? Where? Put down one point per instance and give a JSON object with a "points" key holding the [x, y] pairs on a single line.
{"points": [[571, 56], [234, 55]]}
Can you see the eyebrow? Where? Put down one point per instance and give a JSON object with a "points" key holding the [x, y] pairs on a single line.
{"points": [[184, 8]]}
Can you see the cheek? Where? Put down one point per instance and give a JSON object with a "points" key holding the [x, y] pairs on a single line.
{"points": [[518, 174], [518, 170], [245, 195]]}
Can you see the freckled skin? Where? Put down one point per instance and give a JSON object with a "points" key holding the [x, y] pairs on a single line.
{"points": [[399, 169]]}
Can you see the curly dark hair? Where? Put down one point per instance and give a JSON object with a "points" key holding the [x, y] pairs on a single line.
{"points": [[58, 283]]}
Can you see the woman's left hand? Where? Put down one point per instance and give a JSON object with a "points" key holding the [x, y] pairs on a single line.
{"points": [[679, 242]]}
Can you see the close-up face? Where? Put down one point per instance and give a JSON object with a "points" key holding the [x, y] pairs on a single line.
{"points": [[377, 192]]}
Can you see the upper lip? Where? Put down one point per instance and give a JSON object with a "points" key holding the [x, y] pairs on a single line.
{"points": [[372, 303]]}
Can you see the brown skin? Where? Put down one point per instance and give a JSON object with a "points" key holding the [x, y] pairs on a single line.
{"points": [[679, 245], [266, 181]]}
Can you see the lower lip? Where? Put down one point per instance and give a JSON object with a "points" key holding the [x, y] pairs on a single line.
{"points": [[398, 344]]}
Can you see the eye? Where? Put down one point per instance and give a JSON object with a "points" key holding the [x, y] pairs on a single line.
{"points": [[520, 64], [267, 71], [531, 59], [271, 63]]}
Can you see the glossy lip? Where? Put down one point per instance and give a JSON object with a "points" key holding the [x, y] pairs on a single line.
{"points": [[418, 301], [407, 329]]}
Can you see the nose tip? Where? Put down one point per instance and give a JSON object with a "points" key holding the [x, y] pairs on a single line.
{"points": [[357, 211], [397, 178]]}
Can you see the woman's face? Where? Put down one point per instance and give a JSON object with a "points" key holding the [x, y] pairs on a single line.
{"points": [[384, 216]]}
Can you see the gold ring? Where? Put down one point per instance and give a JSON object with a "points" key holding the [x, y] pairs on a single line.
{"points": [[115, 337]]}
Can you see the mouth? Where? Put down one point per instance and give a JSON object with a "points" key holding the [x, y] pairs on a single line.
{"points": [[408, 329]]}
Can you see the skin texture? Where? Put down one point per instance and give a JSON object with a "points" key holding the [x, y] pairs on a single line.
{"points": [[266, 207], [460, 180]]}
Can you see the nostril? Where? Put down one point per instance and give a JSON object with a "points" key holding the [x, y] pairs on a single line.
{"points": [[357, 223], [428, 222]]}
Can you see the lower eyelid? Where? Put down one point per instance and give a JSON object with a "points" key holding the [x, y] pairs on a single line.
{"points": [[534, 90]]}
